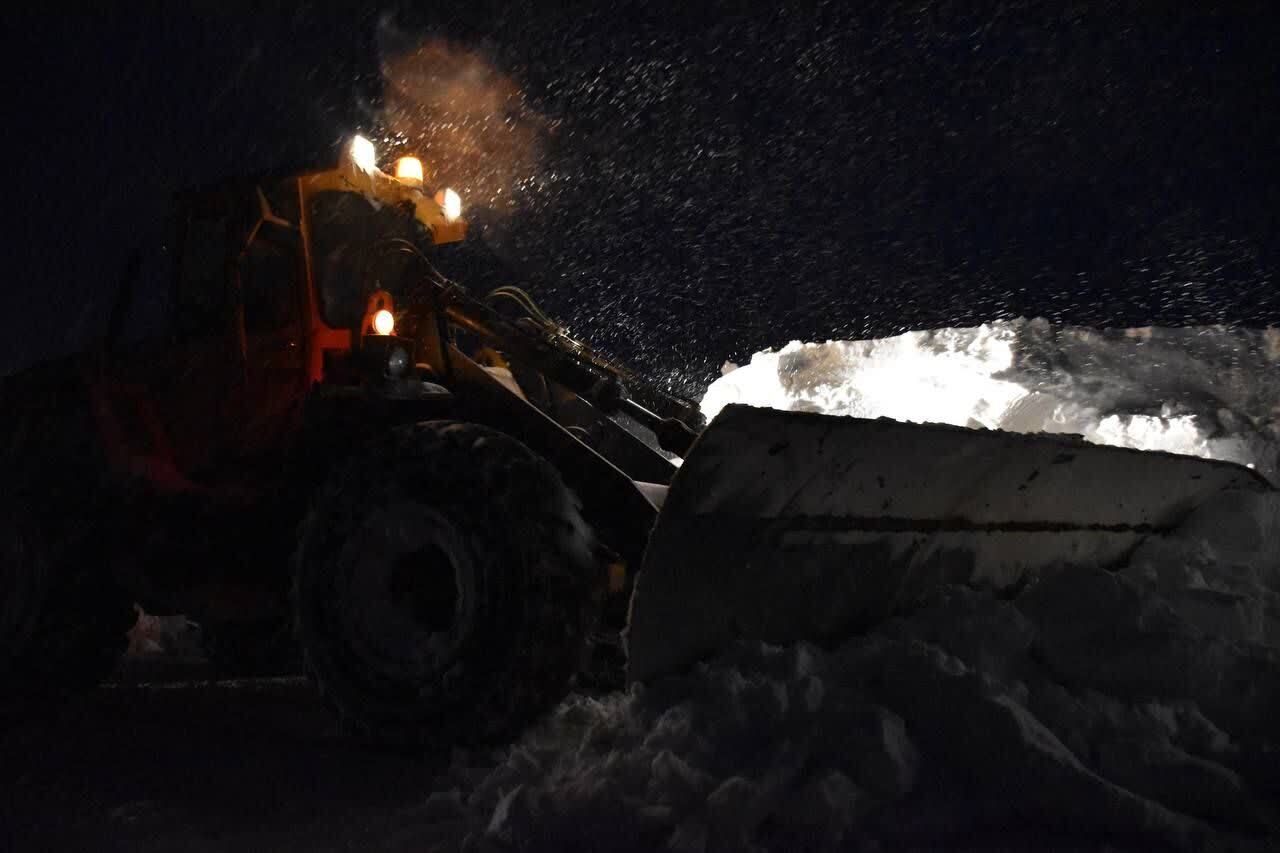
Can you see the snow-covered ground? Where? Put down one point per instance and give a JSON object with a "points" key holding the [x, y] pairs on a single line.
{"points": [[1093, 709], [1206, 391], [1137, 709]]}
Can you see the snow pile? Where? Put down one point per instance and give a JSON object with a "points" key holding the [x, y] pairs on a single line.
{"points": [[1135, 709], [1210, 391]]}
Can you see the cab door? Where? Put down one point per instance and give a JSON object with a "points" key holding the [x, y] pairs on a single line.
{"points": [[190, 375], [267, 288]]}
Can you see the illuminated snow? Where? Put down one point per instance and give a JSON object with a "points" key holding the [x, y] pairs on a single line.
{"points": [[920, 377], [1207, 392]]}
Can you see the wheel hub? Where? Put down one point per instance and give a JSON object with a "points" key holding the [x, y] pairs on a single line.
{"points": [[411, 592], [423, 586]]}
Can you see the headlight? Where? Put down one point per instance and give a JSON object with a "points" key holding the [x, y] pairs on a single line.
{"points": [[363, 154], [384, 323], [451, 202], [398, 362], [409, 171]]}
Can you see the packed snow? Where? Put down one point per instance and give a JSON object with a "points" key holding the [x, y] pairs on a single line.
{"points": [[1092, 709], [1089, 712], [1206, 391]]}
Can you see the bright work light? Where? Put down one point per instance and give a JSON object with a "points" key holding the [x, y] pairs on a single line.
{"points": [[363, 154], [452, 204], [409, 170]]}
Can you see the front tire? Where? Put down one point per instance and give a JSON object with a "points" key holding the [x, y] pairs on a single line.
{"points": [[445, 584]]}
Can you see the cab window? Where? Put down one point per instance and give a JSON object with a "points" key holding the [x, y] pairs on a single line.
{"points": [[268, 286], [202, 281]]}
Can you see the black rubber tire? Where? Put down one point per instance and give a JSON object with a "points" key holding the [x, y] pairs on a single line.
{"points": [[65, 620], [444, 586]]}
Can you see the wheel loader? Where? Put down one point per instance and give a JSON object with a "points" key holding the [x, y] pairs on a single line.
{"points": [[355, 443]]}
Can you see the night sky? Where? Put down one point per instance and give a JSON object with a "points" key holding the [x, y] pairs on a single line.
{"points": [[684, 185]]}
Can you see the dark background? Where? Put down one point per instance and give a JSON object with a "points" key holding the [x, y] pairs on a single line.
{"points": [[710, 180]]}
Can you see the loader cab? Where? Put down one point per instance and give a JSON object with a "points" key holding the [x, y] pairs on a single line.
{"points": [[273, 277]]}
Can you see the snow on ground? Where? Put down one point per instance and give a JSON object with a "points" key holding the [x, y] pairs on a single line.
{"points": [[1207, 391], [1089, 710], [1129, 710]]}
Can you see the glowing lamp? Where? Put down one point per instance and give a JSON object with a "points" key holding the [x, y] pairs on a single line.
{"points": [[383, 322], [363, 154], [409, 171], [451, 203]]}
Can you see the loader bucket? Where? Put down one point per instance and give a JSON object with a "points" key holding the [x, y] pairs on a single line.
{"points": [[786, 526]]}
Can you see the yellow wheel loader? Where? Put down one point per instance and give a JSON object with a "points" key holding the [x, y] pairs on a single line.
{"points": [[355, 443]]}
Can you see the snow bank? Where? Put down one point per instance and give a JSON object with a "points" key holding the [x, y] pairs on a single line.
{"points": [[1134, 709], [1211, 391]]}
